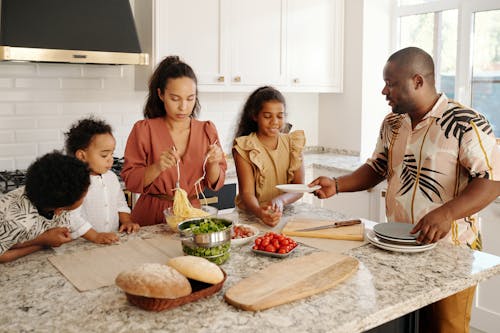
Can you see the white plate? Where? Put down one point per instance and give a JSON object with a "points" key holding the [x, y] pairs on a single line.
{"points": [[395, 230], [297, 188], [372, 238], [246, 240]]}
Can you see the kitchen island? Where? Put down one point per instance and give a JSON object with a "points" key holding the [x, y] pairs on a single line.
{"points": [[387, 285]]}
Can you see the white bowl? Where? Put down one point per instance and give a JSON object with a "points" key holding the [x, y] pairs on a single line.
{"points": [[246, 240]]}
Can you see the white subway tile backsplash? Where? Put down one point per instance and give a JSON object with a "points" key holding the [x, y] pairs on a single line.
{"points": [[23, 162], [6, 83], [81, 108], [47, 147], [38, 135], [67, 83], [56, 122], [16, 69], [38, 109], [105, 71], [21, 149], [16, 123], [59, 70], [12, 95], [38, 83], [6, 109], [35, 112], [7, 164], [7, 137], [117, 84]]}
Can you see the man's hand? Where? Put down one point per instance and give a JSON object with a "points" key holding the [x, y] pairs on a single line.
{"points": [[327, 187], [433, 226]]}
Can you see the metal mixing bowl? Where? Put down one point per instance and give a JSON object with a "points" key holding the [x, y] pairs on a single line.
{"points": [[210, 239]]}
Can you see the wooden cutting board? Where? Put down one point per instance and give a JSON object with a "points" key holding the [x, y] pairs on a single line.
{"points": [[290, 280], [352, 232]]}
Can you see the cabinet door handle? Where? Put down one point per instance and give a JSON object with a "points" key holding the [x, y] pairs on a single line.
{"points": [[220, 78], [237, 79], [296, 80]]}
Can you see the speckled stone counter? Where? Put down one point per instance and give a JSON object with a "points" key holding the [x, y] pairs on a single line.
{"points": [[35, 297]]}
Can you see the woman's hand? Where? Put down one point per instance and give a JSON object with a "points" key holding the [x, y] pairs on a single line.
{"points": [[168, 159], [215, 154]]}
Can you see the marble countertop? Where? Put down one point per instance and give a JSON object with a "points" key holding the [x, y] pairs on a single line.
{"points": [[36, 297]]}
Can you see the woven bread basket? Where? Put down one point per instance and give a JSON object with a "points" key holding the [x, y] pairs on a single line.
{"points": [[200, 290]]}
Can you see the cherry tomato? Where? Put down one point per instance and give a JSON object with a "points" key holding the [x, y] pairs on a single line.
{"points": [[270, 248]]}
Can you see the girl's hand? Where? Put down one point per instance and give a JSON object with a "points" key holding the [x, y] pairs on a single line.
{"points": [[129, 227], [215, 154], [269, 216], [168, 159], [277, 205]]}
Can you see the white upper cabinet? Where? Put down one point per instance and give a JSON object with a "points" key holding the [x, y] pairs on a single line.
{"points": [[256, 30], [315, 45], [238, 45], [193, 30]]}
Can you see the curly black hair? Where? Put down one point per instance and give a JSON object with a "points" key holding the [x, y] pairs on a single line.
{"points": [[169, 68], [56, 180], [252, 107], [81, 133]]}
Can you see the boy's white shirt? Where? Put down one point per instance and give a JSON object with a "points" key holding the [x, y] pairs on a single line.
{"points": [[100, 208]]}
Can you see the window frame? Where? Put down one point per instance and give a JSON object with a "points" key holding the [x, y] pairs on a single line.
{"points": [[466, 10]]}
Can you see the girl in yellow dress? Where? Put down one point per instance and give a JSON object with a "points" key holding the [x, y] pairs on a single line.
{"points": [[265, 156]]}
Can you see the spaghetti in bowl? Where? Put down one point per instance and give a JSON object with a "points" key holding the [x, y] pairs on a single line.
{"points": [[174, 220]]}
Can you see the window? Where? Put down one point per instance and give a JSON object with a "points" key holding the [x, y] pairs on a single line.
{"points": [[470, 73]]}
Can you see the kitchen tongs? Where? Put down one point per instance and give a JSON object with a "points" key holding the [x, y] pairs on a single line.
{"points": [[333, 225]]}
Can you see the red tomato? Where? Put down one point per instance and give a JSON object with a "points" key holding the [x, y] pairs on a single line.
{"points": [[285, 242], [282, 251], [258, 241], [276, 243], [265, 242], [270, 248]]}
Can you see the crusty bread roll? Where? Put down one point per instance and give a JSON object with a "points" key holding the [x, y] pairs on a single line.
{"points": [[197, 268], [155, 281]]}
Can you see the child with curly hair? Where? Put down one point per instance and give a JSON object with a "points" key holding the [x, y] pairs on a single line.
{"points": [[104, 210], [36, 215]]}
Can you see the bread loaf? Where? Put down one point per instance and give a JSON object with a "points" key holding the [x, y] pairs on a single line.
{"points": [[155, 281], [197, 268]]}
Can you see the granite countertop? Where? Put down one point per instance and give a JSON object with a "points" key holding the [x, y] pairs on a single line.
{"points": [[36, 297]]}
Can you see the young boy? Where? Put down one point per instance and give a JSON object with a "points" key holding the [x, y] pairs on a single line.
{"points": [[104, 210], [35, 215]]}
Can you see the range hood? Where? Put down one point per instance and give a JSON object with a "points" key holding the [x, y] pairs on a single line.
{"points": [[73, 31]]}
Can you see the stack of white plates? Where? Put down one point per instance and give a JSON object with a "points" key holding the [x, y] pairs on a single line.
{"points": [[396, 237]]}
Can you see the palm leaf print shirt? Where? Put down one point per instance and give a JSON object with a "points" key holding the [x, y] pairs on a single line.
{"points": [[431, 164], [20, 220]]}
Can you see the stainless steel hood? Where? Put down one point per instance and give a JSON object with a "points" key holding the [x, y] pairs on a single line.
{"points": [[73, 31]]}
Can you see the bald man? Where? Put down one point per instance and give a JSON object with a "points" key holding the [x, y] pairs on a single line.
{"points": [[442, 166]]}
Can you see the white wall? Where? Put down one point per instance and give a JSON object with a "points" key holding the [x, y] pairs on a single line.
{"points": [[39, 101], [351, 120]]}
